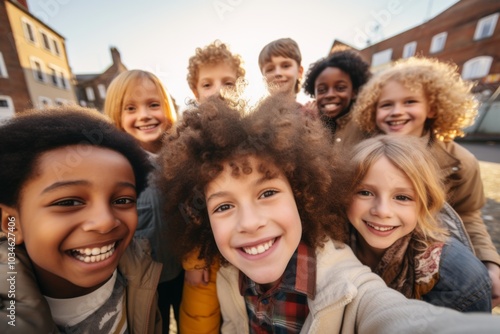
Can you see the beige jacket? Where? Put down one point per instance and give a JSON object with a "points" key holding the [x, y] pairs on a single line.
{"points": [[466, 194], [352, 299], [32, 313]]}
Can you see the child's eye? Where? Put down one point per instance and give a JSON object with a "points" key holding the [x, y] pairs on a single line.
{"points": [[124, 200], [321, 90], [411, 101], [68, 202], [205, 85], [384, 105], [155, 105], [268, 193], [229, 83], [268, 69], [341, 88], [403, 198], [364, 193], [223, 207]]}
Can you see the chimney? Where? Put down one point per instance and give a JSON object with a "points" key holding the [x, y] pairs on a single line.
{"points": [[23, 3], [115, 55]]}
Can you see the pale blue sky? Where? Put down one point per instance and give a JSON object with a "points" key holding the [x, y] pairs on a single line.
{"points": [[161, 35]]}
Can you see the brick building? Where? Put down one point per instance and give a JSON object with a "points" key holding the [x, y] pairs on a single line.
{"points": [[467, 34], [34, 69], [91, 88]]}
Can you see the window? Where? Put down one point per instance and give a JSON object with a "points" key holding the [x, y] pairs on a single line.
{"points": [[102, 91], [56, 47], [486, 26], [83, 103], [381, 57], [45, 102], [6, 107], [53, 76], [90, 93], [3, 68], [438, 42], [477, 67], [45, 40], [29, 30], [409, 49], [36, 66], [64, 83]]}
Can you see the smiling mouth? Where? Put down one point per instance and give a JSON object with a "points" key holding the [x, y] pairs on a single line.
{"points": [[259, 249], [395, 123], [379, 228], [147, 127], [331, 106], [92, 255]]}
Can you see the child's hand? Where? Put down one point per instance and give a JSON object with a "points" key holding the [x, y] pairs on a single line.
{"points": [[311, 109], [494, 271], [197, 277]]}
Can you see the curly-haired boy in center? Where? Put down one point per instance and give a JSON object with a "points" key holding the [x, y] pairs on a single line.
{"points": [[255, 190]]}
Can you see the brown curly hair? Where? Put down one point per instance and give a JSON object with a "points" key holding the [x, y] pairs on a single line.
{"points": [[448, 95], [212, 54], [278, 135]]}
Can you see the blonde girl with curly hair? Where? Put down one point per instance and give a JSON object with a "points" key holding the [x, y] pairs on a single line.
{"points": [[427, 98]]}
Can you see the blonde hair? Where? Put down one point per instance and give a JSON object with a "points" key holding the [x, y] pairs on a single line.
{"points": [[212, 54], [408, 154], [113, 105], [283, 47], [448, 96]]}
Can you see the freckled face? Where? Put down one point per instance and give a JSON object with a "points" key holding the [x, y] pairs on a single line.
{"points": [[255, 221], [77, 221]]}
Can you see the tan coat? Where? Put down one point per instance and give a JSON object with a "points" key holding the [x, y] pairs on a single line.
{"points": [[32, 313], [466, 194]]}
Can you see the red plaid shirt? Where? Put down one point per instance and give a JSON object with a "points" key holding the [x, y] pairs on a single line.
{"points": [[283, 308]]}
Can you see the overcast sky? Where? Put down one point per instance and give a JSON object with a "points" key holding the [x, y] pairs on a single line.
{"points": [[160, 35]]}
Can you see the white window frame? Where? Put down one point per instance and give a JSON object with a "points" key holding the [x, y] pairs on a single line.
{"points": [[488, 22], [55, 46], [477, 67], [33, 61], [89, 92], [381, 57], [9, 111], [102, 91], [3, 68], [42, 99], [438, 42], [27, 23], [47, 38], [409, 49], [64, 80]]}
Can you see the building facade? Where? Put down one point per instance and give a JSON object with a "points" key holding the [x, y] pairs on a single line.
{"points": [[34, 69], [467, 34], [91, 88]]}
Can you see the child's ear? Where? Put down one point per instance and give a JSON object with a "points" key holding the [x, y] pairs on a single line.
{"points": [[301, 71], [10, 223], [431, 113]]}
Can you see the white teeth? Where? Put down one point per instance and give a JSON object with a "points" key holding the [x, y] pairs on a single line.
{"points": [[259, 249], [95, 254], [381, 229], [147, 127], [397, 122]]}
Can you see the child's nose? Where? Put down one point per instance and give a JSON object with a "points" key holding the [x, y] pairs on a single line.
{"points": [[250, 220], [143, 112], [381, 208], [101, 219]]}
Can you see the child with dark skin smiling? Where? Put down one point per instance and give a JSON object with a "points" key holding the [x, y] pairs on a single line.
{"points": [[254, 192], [70, 182]]}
